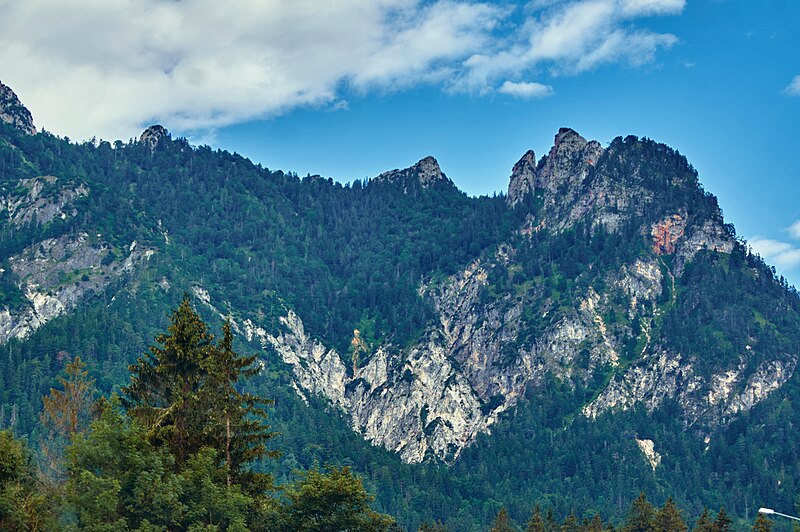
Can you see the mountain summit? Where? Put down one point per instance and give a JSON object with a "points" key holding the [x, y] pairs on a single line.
{"points": [[13, 112], [426, 172]]}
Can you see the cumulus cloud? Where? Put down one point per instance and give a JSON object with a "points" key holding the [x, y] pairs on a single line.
{"points": [[783, 255], [525, 89], [108, 68], [793, 88]]}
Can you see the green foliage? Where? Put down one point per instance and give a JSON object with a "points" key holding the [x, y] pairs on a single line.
{"points": [[329, 501], [184, 394], [762, 524], [65, 412], [351, 257], [668, 519], [119, 481], [641, 517], [501, 522], [23, 505]]}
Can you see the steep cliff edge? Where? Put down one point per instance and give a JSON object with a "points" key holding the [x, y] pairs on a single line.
{"points": [[12, 111]]}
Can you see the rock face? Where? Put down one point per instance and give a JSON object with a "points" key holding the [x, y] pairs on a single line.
{"points": [[523, 179], [40, 200], [13, 112], [153, 135], [55, 274], [426, 172]]}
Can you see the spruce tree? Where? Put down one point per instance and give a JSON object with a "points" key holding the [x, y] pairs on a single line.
{"points": [[501, 522], [668, 518], [184, 393], [641, 517], [704, 522], [762, 524], [241, 432], [535, 521], [166, 383], [723, 522]]}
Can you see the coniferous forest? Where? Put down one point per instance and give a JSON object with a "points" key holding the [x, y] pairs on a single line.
{"points": [[180, 449]]}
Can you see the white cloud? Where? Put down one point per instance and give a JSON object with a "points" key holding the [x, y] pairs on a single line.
{"points": [[793, 88], [794, 229], [783, 255], [525, 89], [652, 7], [573, 37], [108, 68]]}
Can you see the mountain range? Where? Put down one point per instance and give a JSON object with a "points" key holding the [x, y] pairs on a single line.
{"points": [[596, 331]]}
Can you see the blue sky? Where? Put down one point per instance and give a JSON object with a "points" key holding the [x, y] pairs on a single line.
{"points": [[351, 88]]}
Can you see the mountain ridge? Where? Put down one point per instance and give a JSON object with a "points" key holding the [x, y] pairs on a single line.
{"points": [[605, 287]]}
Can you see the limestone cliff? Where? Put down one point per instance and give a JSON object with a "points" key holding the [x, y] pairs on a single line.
{"points": [[12, 111]]}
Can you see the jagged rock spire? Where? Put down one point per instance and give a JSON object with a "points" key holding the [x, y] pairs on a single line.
{"points": [[13, 112], [566, 164], [523, 177]]}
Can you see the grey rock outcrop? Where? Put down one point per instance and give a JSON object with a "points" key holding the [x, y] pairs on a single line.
{"points": [[40, 200], [153, 135], [13, 112], [55, 274], [523, 179], [426, 172]]}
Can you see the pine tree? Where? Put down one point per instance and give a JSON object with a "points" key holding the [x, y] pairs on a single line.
{"points": [[501, 522], [166, 384], [571, 523], [596, 524], [704, 522], [242, 432], [762, 524], [723, 522], [535, 522], [668, 518], [184, 392], [641, 517]]}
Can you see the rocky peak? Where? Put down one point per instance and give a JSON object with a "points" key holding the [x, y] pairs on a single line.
{"points": [[427, 172], [569, 159], [13, 112], [522, 180], [153, 135]]}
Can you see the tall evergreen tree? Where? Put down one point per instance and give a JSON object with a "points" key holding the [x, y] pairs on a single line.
{"points": [[501, 522], [535, 521], [641, 517], [239, 418], [723, 522], [668, 518], [184, 392], [762, 524], [166, 383], [704, 522]]}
